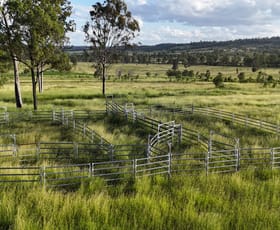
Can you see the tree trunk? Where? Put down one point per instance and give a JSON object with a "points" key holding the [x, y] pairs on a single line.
{"points": [[34, 89], [17, 84], [15, 61], [39, 78], [103, 78]]}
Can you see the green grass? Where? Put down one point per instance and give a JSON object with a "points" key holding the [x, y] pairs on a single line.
{"points": [[248, 199], [241, 201]]}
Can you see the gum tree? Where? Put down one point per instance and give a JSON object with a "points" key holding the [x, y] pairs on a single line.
{"points": [[41, 29], [10, 42], [111, 27]]}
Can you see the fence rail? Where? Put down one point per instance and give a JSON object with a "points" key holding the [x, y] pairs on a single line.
{"points": [[220, 114], [117, 170], [102, 159]]}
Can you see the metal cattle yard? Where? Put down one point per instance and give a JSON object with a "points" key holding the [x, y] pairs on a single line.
{"points": [[55, 164]]}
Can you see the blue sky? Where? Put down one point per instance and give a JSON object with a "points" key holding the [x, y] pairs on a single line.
{"points": [[183, 21]]}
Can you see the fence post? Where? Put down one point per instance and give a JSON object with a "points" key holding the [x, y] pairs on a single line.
{"points": [[237, 149], [272, 157], [89, 170], [53, 115], [92, 170], [74, 124], [169, 158], [14, 145], [76, 150], [210, 142], [134, 162], [112, 152], [72, 114], [62, 116], [92, 136], [148, 147], [6, 117], [237, 155], [84, 130], [43, 176], [180, 133], [207, 156]]}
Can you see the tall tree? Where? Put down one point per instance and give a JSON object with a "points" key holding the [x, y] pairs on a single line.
{"points": [[43, 25], [111, 27], [10, 42]]}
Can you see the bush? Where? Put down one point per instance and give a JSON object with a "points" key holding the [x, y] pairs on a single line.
{"points": [[241, 77], [174, 73], [219, 81]]}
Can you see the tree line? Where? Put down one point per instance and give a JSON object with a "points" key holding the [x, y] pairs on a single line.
{"points": [[233, 57]]}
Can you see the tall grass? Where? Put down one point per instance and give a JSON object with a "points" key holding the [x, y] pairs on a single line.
{"points": [[247, 200]]}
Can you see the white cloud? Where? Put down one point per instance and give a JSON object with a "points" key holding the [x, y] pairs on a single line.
{"points": [[208, 12], [194, 20]]}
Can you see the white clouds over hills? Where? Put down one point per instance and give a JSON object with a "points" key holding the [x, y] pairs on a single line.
{"points": [[180, 21]]}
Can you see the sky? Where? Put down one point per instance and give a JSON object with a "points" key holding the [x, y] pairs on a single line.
{"points": [[184, 21]]}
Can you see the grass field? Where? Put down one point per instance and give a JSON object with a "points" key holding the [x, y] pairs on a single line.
{"points": [[246, 200]]}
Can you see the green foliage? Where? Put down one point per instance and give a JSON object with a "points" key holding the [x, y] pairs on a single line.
{"points": [[44, 34], [111, 26], [241, 77], [188, 73], [219, 81], [174, 73]]}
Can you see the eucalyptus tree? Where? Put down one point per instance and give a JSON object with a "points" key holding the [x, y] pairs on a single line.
{"points": [[10, 43], [42, 27], [111, 27]]}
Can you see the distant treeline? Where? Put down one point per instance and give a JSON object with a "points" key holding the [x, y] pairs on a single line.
{"points": [[254, 53]]}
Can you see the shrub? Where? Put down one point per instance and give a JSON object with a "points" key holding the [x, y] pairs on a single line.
{"points": [[241, 77], [219, 80]]}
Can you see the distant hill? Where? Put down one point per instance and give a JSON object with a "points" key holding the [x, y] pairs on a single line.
{"points": [[259, 44]]}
